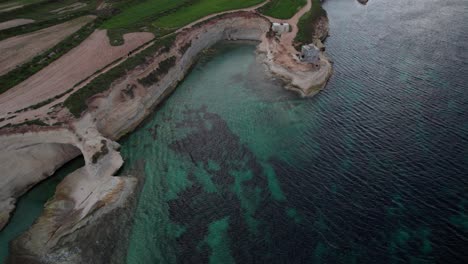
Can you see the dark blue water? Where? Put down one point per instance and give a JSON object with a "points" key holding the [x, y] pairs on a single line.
{"points": [[374, 169]]}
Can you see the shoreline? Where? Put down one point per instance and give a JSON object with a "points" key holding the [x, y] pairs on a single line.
{"points": [[89, 194]]}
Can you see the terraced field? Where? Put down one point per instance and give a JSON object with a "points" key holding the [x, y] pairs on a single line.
{"points": [[19, 49]]}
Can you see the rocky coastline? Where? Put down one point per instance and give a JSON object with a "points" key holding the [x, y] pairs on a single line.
{"points": [[92, 197]]}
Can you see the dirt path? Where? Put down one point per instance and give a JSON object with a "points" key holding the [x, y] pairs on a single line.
{"points": [[17, 50], [288, 38], [15, 23], [90, 56]]}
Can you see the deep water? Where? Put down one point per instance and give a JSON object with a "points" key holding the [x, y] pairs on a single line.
{"points": [[374, 169]]}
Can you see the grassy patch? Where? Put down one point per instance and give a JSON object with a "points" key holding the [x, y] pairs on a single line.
{"points": [[138, 15], [23, 72], [187, 14], [307, 22], [282, 9], [77, 102]]}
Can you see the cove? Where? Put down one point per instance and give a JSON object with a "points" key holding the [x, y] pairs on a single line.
{"points": [[210, 144]]}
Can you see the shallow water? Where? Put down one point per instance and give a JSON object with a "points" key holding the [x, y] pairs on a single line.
{"points": [[374, 168]]}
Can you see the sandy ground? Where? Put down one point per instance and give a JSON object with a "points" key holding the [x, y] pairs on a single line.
{"points": [[15, 23], [91, 55], [19, 49]]}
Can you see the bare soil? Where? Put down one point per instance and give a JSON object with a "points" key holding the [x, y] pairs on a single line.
{"points": [[20, 49], [15, 23]]}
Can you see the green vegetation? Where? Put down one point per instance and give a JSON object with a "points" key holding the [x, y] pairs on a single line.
{"points": [[77, 102], [201, 8], [307, 22], [282, 9], [23, 72], [163, 68], [137, 16]]}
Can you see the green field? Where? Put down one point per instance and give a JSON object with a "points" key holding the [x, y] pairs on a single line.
{"points": [[201, 8], [306, 23], [282, 9], [134, 15]]}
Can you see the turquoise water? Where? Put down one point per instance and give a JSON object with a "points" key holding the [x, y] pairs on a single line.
{"points": [[192, 154], [373, 169], [30, 206]]}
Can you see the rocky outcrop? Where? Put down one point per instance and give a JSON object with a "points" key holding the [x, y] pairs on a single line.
{"points": [[364, 2], [321, 28], [25, 160], [83, 197]]}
